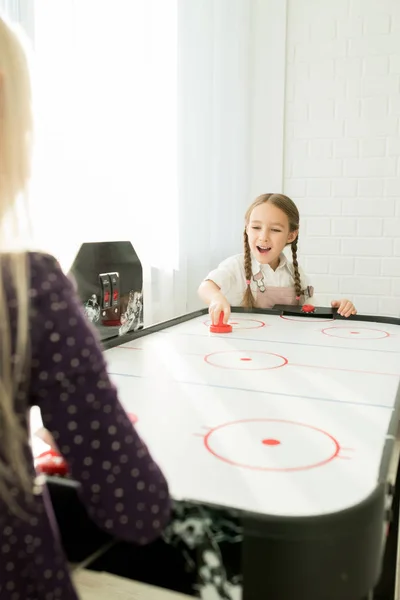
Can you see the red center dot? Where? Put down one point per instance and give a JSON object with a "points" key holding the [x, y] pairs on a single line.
{"points": [[245, 359], [270, 442], [355, 332]]}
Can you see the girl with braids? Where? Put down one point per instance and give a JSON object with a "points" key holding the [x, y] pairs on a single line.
{"points": [[262, 276], [50, 357]]}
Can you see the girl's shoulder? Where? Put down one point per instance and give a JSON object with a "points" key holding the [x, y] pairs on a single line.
{"points": [[45, 271], [39, 268], [235, 261], [302, 273]]}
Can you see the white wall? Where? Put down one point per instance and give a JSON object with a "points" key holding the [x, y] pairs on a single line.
{"points": [[301, 96], [342, 146]]}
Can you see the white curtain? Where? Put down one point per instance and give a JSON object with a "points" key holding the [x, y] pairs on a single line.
{"points": [[215, 78], [144, 133], [106, 107], [21, 11]]}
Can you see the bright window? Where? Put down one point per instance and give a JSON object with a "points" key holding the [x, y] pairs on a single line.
{"points": [[106, 165]]}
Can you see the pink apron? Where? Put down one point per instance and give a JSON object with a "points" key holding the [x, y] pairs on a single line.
{"points": [[268, 296], [275, 295]]}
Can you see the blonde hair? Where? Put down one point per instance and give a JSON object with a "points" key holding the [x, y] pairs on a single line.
{"points": [[286, 205], [16, 130]]}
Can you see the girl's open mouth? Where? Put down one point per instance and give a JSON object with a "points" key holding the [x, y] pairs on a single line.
{"points": [[263, 249]]}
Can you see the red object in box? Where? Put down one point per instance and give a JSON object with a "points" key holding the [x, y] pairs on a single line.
{"points": [[51, 462], [308, 308], [221, 327]]}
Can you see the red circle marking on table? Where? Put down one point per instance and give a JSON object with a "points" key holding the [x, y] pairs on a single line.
{"points": [[215, 430], [282, 358], [304, 319], [385, 334]]}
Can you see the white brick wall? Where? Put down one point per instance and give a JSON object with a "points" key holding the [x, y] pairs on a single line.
{"points": [[342, 146]]}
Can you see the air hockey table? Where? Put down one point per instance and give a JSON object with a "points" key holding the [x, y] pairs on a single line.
{"points": [[278, 442]]}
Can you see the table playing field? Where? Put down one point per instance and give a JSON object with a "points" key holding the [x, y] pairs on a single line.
{"points": [[284, 416]]}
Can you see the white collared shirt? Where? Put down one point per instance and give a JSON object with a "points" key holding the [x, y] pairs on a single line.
{"points": [[231, 278]]}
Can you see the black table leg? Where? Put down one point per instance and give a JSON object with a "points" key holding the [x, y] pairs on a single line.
{"points": [[385, 590]]}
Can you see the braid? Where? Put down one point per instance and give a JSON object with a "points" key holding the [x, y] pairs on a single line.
{"points": [[297, 282], [248, 299]]}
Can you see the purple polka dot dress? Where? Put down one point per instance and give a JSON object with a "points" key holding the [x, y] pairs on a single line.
{"points": [[123, 489]]}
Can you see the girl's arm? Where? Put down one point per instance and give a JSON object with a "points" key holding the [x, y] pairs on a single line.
{"points": [[345, 307], [211, 295], [122, 487]]}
